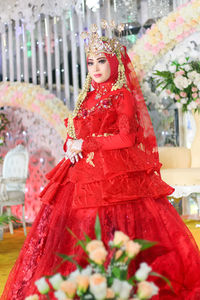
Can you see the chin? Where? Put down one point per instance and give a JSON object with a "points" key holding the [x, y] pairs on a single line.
{"points": [[99, 80]]}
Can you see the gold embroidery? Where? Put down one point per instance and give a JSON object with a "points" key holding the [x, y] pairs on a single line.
{"points": [[99, 135], [89, 159]]}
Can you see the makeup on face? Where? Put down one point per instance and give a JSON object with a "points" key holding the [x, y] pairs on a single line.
{"points": [[99, 68]]}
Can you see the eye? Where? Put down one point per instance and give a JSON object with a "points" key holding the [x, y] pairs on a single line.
{"points": [[90, 63], [102, 61]]}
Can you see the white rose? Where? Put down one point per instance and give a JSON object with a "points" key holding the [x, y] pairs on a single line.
{"points": [[172, 69], [184, 100], [56, 281], [116, 286], [143, 272], [187, 67], [42, 285], [125, 290], [73, 275], [98, 286], [182, 60], [87, 271], [60, 295]]}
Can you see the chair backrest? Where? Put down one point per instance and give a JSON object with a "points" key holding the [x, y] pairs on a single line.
{"points": [[15, 165]]}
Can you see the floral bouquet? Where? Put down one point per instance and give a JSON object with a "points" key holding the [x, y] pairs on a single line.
{"points": [[103, 279], [182, 83]]}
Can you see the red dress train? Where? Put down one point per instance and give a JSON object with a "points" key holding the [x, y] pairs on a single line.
{"points": [[118, 180]]}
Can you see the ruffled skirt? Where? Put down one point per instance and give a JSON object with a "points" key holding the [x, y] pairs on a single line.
{"points": [[175, 256]]}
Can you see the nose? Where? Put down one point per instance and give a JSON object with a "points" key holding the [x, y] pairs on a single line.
{"points": [[96, 67]]}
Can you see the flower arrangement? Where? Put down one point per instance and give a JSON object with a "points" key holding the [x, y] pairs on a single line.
{"points": [[181, 82], [163, 36], [36, 99], [103, 279], [3, 123]]}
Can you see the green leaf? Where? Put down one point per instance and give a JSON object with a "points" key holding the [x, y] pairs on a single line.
{"points": [[87, 238], [162, 277], [145, 244], [67, 258], [116, 272], [98, 228]]}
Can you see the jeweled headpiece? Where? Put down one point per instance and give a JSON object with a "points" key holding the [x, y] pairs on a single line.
{"points": [[95, 44]]}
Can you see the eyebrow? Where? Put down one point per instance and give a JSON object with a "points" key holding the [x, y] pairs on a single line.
{"points": [[102, 57]]}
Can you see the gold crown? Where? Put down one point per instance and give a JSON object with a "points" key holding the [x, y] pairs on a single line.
{"points": [[95, 44]]}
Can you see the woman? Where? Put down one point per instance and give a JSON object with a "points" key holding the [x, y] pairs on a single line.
{"points": [[112, 169]]}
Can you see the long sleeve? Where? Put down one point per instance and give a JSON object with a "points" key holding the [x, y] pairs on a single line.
{"points": [[126, 122]]}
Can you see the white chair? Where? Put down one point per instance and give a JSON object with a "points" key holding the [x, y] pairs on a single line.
{"points": [[13, 180]]}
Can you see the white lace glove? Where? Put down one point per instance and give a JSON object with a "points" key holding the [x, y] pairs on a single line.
{"points": [[72, 150]]}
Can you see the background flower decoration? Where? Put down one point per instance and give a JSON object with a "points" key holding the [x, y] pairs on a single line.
{"points": [[163, 36], [36, 99], [181, 82], [3, 124]]}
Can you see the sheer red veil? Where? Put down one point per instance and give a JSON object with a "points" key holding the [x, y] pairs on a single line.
{"points": [[146, 138]]}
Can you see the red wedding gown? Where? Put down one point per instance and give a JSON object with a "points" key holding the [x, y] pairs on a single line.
{"points": [[120, 182]]}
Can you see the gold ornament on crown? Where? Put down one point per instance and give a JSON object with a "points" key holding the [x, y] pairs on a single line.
{"points": [[96, 44]]}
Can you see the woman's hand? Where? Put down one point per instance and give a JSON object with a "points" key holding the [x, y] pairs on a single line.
{"points": [[74, 150]]}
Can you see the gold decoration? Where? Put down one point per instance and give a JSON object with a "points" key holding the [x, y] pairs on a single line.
{"points": [[89, 159], [97, 44], [104, 24]]}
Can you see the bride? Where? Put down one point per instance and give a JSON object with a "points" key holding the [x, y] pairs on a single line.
{"points": [[111, 168]]}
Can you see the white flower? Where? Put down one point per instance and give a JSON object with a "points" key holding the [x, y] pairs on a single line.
{"points": [[182, 60], [56, 281], [60, 295], [73, 275], [125, 290], [172, 69], [87, 271], [187, 67], [32, 297], [143, 272], [116, 286], [181, 82], [184, 100], [42, 285], [98, 286]]}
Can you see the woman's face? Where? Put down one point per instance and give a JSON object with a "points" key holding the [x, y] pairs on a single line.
{"points": [[98, 67]]}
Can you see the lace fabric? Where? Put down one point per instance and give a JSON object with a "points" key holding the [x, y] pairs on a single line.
{"points": [[119, 179]]}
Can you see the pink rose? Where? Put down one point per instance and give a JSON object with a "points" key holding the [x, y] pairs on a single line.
{"points": [[132, 248], [146, 290], [82, 282], [177, 97], [198, 101], [194, 89], [98, 255], [118, 254], [69, 287], [120, 238], [110, 294], [94, 244], [194, 95], [183, 94]]}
